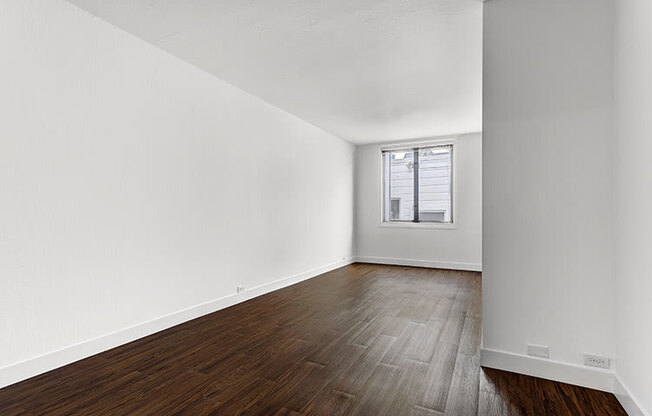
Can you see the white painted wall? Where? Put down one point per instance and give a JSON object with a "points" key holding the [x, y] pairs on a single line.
{"points": [[634, 201], [113, 179], [422, 245], [547, 171], [365, 70]]}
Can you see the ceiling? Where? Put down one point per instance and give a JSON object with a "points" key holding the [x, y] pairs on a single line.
{"points": [[365, 70]]}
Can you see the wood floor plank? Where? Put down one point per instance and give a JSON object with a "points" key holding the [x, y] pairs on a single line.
{"points": [[407, 389], [398, 350], [360, 340], [330, 402], [424, 340], [354, 380], [463, 395], [438, 378], [377, 388]]}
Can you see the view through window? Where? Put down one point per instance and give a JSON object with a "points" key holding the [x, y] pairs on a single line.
{"points": [[417, 184]]}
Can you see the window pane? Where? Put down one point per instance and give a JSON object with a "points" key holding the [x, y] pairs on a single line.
{"points": [[399, 185], [395, 209], [435, 184]]}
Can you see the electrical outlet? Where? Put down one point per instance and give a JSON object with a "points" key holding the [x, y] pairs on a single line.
{"points": [[540, 351], [596, 361], [240, 288]]}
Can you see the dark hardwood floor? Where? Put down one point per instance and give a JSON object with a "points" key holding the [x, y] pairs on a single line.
{"points": [[503, 393], [361, 340]]}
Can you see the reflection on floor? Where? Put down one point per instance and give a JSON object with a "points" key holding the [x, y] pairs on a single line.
{"points": [[360, 340]]}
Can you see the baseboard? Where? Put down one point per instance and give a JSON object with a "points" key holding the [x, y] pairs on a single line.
{"points": [[627, 401], [474, 267], [55, 359], [593, 378]]}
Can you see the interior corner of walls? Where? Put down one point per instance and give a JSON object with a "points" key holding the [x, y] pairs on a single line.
{"points": [[102, 67], [589, 377], [631, 405], [456, 248]]}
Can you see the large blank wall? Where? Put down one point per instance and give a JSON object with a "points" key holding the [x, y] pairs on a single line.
{"points": [[634, 201], [547, 172], [133, 185]]}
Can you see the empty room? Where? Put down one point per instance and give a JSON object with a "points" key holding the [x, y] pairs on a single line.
{"points": [[325, 207]]}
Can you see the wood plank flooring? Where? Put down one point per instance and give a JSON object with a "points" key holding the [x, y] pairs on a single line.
{"points": [[503, 393], [361, 340]]}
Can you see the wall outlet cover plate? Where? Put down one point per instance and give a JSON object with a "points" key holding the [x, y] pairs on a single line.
{"points": [[597, 361], [540, 351]]}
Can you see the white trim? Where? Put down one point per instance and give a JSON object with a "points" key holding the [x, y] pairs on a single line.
{"points": [[419, 225], [474, 267], [632, 406], [579, 375], [55, 359], [423, 142]]}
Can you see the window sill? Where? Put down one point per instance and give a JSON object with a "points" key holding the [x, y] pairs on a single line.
{"points": [[419, 225]]}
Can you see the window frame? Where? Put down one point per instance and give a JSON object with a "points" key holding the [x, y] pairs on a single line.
{"points": [[411, 145]]}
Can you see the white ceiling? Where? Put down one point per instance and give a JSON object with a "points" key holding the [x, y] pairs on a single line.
{"points": [[364, 70]]}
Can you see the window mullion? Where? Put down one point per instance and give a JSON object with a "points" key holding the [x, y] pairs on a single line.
{"points": [[415, 214]]}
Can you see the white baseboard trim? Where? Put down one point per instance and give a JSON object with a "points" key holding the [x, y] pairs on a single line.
{"points": [[627, 400], [474, 267], [55, 359], [593, 378]]}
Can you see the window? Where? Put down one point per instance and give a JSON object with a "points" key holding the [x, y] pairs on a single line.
{"points": [[417, 184]]}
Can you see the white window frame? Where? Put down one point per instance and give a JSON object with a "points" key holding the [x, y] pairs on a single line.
{"points": [[441, 141]]}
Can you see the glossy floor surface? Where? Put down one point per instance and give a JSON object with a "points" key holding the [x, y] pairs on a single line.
{"points": [[361, 340]]}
